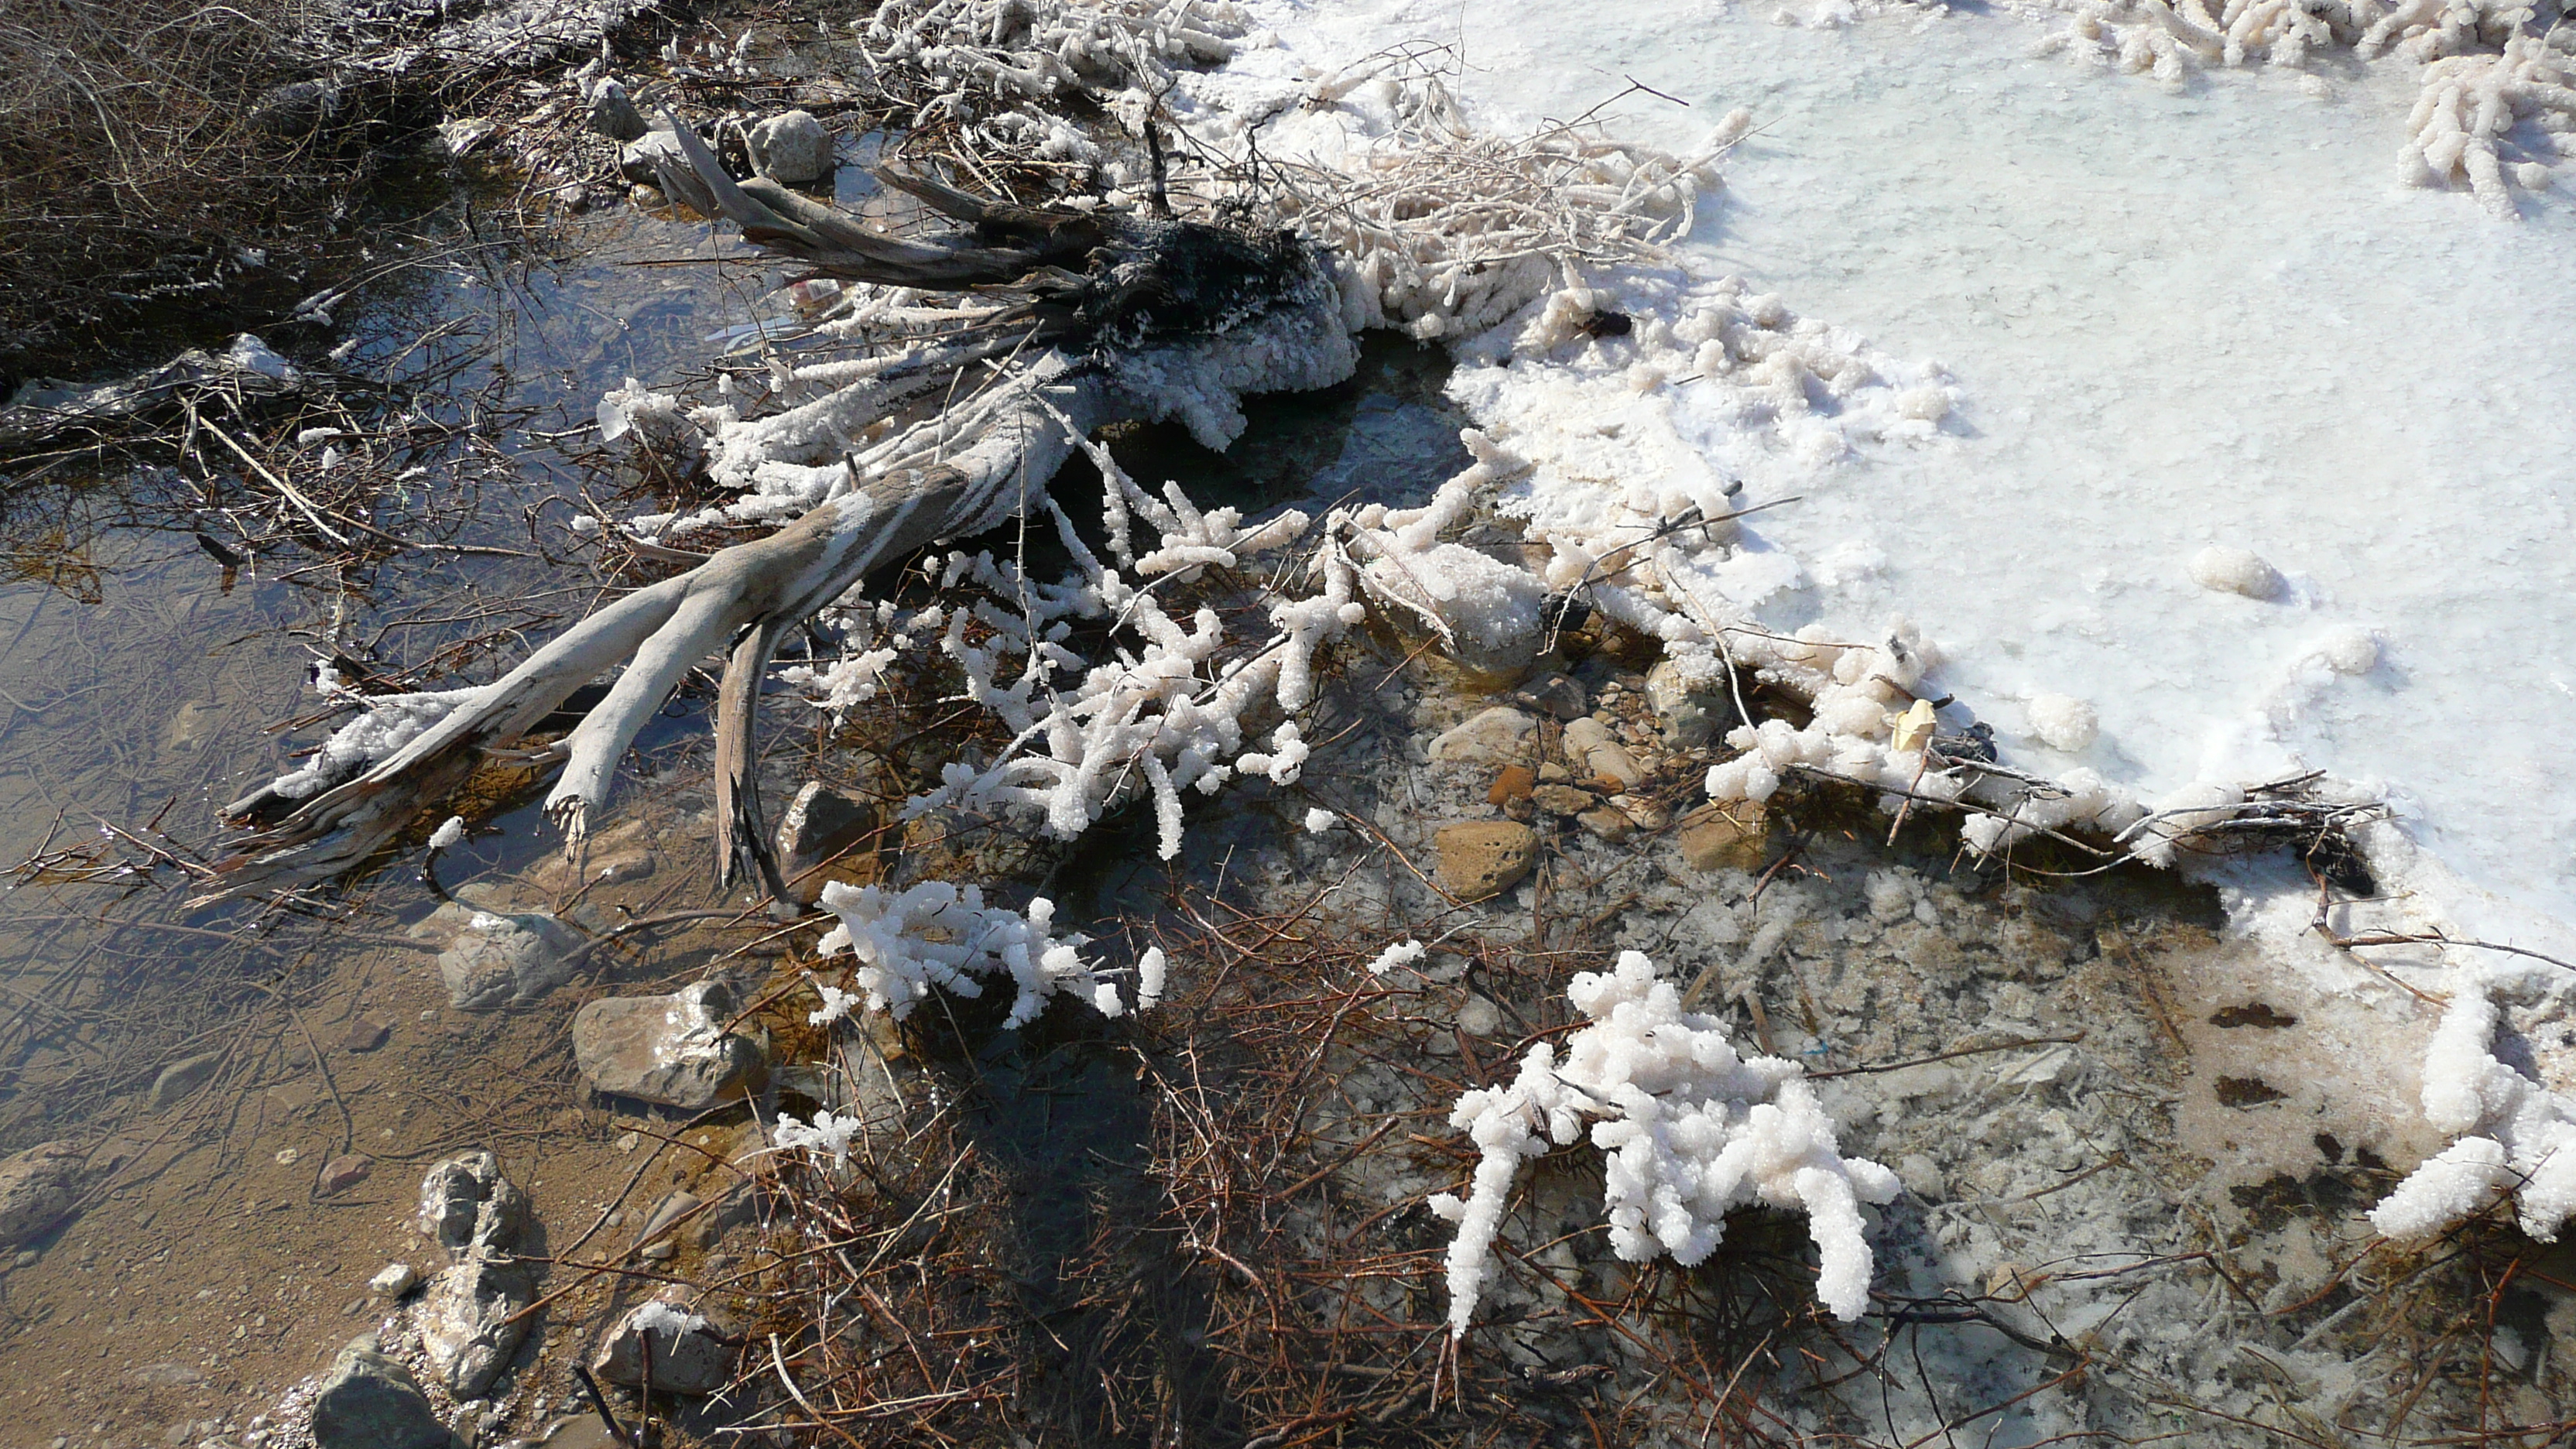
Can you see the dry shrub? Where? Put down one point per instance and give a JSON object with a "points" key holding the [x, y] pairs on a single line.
{"points": [[132, 168]]}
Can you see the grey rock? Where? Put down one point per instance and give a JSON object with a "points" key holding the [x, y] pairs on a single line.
{"points": [[820, 823], [663, 1048], [637, 162], [368, 1401], [668, 1049], [498, 961], [1692, 701], [792, 148], [38, 1188], [180, 1080], [470, 1209], [1557, 695], [612, 112], [469, 1324], [686, 1359]]}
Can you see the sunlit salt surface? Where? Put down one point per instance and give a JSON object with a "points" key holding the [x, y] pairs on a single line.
{"points": [[2176, 319]]}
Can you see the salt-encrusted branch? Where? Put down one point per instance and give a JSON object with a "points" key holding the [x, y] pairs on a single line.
{"points": [[1690, 1132]]}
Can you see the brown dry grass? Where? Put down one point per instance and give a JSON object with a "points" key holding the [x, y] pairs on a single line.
{"points": [[131, 172]]}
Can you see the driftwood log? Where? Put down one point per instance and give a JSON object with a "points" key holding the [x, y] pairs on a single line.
{"points": [[1089, 294]]}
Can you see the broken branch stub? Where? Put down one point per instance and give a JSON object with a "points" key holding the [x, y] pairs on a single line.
{"points": [[1157, 301]]}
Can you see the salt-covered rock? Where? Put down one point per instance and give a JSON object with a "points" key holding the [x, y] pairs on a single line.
{"points": [[368, 1401], [2062, 722], [1481, 858], [2349, 651], [467, 1206], [180, 1080], [1497, 736], [672, 1049], [468, 1319], [612, 113], [791, 148], [496, 960], [38, 1188], [688, 1355], [2235, 571], [820, 823], [469, 1322], [1690, 700]]}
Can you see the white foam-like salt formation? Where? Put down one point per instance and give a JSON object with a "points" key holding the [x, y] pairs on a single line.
{"points": [[2235, 571], [2062, 722], [937, 934], [1689, 1130]]}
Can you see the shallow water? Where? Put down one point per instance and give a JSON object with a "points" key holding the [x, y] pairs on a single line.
{"points": [[207, 1272]]}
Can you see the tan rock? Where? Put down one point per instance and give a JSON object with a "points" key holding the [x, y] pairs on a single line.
{"points": [[1481, 858], [1607, 823], [1647, 814], [1715, 836], [1514, 782], [1562, 799], [1491, 737]]}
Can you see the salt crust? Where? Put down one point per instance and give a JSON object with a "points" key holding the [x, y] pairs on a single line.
{"points": [[2488, 66], [1691, 1131]]}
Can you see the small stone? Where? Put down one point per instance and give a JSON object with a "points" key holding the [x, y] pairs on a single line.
{"points": [[288, 1156], [368, 1401], [342, 1173], [672, 1049], [660, 1252], [365, 1034], [1588, 744], [648, 197], [393, 1280], [180, 1080], [1493, 737], [38, 1188], [1482, 858], [792, 148], [688, 1357], [626, 1142], [1557, 695], [1715, 836], [1562, 799], [1513, 783], [1646, 813], [612, 112], [669, 1210], [820, 823], [639, 160], [1607, 823]]}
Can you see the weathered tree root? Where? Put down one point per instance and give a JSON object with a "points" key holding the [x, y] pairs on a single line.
{"points": [[1253, 313]]}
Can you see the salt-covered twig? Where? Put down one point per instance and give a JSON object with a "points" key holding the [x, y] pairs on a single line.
{"points": [[2515, 1137], [1691, 1131]]}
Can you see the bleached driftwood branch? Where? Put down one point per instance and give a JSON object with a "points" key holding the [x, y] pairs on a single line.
{"points": [[1083, 349]]}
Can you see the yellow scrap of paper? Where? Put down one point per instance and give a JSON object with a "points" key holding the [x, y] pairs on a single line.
{"points": [[1914, 727]]}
